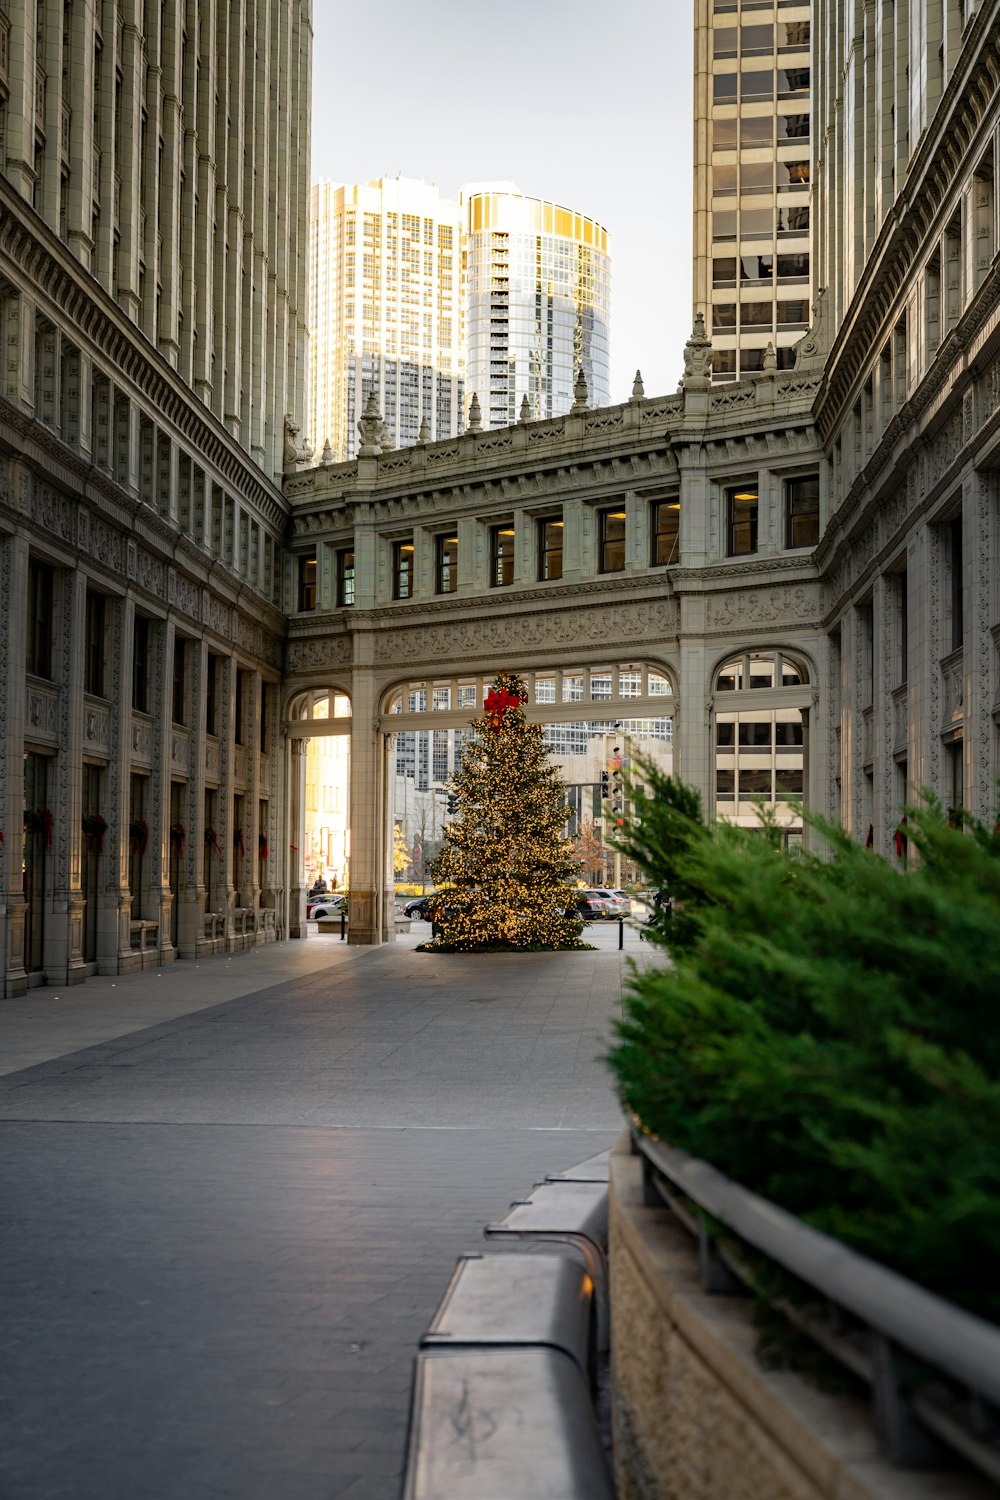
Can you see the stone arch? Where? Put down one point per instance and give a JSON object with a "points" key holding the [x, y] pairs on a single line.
{"points": [[760, 699]]}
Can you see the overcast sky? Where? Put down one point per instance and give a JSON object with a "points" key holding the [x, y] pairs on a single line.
{"points": [[583, 102]]}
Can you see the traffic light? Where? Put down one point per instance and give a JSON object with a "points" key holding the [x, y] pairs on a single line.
{"points": [[452, 804], [617, 782], [605, 786]]}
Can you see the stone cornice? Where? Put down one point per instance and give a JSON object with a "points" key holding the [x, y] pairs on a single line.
{"points": [[35, 259], [931, 180]]}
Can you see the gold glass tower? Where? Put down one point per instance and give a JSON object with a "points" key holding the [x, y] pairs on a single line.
{"points": [[385, 311]]}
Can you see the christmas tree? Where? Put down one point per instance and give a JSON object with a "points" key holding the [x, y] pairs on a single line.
{"points": [[509, 869]]}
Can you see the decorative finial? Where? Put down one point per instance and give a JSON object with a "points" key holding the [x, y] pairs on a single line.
{"points": [[369, 426], [638, 389], [525, 413], [770, 358], [385, 437], [580, 392], [475, 422], [424, 435], [327, 452], [698, 353]]}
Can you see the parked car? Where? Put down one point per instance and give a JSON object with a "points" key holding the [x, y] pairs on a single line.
{"points": [[323, 908], [589, 905], [418, 908], [626, 900], [617, 904]]}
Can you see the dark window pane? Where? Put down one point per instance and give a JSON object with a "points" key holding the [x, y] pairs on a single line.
{"points": [[792, 81], [756, 177], [40, 603], [724, 271], [723, 180], [793, 127], [757, 221], [755, 735], [756, 130], [757, 85], [725, 786], [724, 41], [756, 314], [724, 362], [756, 40], [724, 88], [788, 781], [724, 134], [666, 532], [788, 735], [802, 511], [755, 268], [724, 225], [307, 583], [793, 220], [724, 315], [345, 577], [793, 33], [793, 267], [725, 732], [793, 174], [755, 783], [794, 312], [447, 564], [611, 558]]}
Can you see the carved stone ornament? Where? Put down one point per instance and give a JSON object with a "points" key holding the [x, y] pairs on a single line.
{"points": [[293, 454], [370, 428], [698, 352]]}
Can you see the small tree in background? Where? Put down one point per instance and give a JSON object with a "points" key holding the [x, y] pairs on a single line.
{"points": [[400, 850], [591, 852], [508, 866]]}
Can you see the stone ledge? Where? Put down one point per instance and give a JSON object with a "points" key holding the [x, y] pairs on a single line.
{"points": [[695, 1417]]}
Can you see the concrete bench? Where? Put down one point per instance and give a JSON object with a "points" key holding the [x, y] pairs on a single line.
{"points": [[493, 1423], [594, 1169], [572, 1213], [506, 1301]]}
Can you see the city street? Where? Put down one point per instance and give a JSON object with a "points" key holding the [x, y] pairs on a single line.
{"points": [[233, 1194]]}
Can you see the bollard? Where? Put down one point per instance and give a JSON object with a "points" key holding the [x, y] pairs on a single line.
{"points": [[343, 925], [621, 933]]}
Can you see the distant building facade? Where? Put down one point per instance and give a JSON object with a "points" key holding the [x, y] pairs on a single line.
{"points": [[385, 312], [753, 154], [537, 305]]}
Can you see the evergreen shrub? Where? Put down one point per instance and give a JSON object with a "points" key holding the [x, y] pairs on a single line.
{"points": [[829, 1031]]}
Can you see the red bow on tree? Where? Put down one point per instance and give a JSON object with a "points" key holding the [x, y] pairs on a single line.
{"points": [[497, 705]]}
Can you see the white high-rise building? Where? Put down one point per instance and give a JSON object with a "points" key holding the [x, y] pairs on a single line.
{"points": [[385, 312], [537, 304]]}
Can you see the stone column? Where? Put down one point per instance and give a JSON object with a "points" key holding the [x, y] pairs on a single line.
{"points": [[194, 893], [161, 699], [64, 961], [114, 949], [980, 510], [251, 822], [227, 754], [13, 617], [694, 752], [366, 799], [295, 878]]}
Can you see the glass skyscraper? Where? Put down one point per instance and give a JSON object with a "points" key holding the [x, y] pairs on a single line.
{"points": [[385, 311], [537, 304], [752, 180]]}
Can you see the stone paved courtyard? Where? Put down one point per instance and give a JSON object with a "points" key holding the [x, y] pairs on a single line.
{"points": [[227, 1221]]}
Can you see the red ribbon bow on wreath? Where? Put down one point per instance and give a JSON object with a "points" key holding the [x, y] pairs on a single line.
{"points": [[497, 705]]}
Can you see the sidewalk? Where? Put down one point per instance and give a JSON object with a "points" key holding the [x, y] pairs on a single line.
{"points": [[234, 1194]]}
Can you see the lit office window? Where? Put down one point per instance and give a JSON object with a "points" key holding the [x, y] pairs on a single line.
{"points": [[402, 570], [307, 583], [447, 564], [550, 550], [501, 556], [741, 519], [345, 577]]}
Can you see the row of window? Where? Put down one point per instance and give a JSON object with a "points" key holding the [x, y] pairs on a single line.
{"points": [[758, 38], [763, 83], [741, 517], [96, 659], [755, 270], [761, 314], [746, 130], [760, 223], [759, 177]]}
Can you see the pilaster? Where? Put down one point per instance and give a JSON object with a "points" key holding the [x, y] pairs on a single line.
{"points": [[13, 704]]}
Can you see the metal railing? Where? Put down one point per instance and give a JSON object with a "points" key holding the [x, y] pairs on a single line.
{"points": [[933, 1370]]}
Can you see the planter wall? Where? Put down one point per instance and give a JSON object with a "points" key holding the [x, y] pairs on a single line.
{"points": [[695, 1417]]}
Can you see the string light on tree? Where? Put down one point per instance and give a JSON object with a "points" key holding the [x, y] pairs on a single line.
{"points": [[508, 869]]}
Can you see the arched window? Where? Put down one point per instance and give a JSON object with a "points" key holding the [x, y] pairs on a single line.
{"points": [[321, 704], [760, 738]]}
